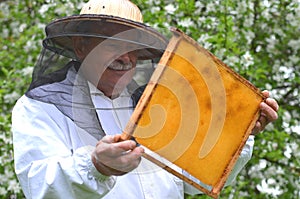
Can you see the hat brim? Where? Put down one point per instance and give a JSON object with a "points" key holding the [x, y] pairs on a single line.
{"points": [[60, 32]]}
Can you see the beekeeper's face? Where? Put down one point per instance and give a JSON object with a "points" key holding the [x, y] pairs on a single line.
{"points": [[108, 64]]}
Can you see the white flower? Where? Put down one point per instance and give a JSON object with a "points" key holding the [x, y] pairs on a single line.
{"points": [[11, 98], [294, 44], [220, 53], [287, 72], [266, 187], [166, 25], [44, 8], [5, 139], [262, 164], [27, 71], [3, 191], [249, 36], [79, 5], [293, 19], [258, 48], [211, 7], [248, 21], [247, 56], [294, 59], [296, 129], [41, 25], [5, 32], [265, 13], [199, 4], [155, 9], [288, 151], [279, 32], [247, 60], [13, 186], [170, 8], [203, 38], [22, 27], [242, 7], [187, 22], [271, 43], [266, 3], [231, 60]]}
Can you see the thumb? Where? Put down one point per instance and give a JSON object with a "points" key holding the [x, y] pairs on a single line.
{"points": [[109, 139]]}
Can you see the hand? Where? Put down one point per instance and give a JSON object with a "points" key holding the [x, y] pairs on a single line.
{"points": [[268, 113], [112, 157]]}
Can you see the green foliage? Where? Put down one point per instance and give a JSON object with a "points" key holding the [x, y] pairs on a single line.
{"points": [[258, 39]]}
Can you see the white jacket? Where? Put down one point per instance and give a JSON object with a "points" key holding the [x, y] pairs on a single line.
{"points": [[53, 156]]}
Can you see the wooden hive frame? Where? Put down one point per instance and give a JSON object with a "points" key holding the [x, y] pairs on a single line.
{"points": [[195, 112]]}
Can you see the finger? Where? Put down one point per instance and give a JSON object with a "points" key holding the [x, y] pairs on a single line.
{"points": [[266, 93], [130, 160], [126, 145], [263, 120], [273, 103], [108, 139], [111, 138], [106, 148], [256, 128], [268, 111], [115, 150], [117, 138], [125, 161], [114, 139], [260, 125], [270, 101]]}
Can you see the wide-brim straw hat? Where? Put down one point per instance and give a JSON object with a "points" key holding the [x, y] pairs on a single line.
{"points": [[114, 19]]}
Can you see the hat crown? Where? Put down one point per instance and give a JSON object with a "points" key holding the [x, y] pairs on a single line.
{"points": [[118, 8]]}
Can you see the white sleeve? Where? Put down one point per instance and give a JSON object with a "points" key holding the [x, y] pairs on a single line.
{"points": [[45, 162], [244, 157]]}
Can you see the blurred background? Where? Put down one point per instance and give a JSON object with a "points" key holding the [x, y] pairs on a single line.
{"points": [[259, 39]]}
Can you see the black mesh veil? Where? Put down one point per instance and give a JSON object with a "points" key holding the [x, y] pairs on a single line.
{"points": [[57, 77], [55, 81], [51, 67]]}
